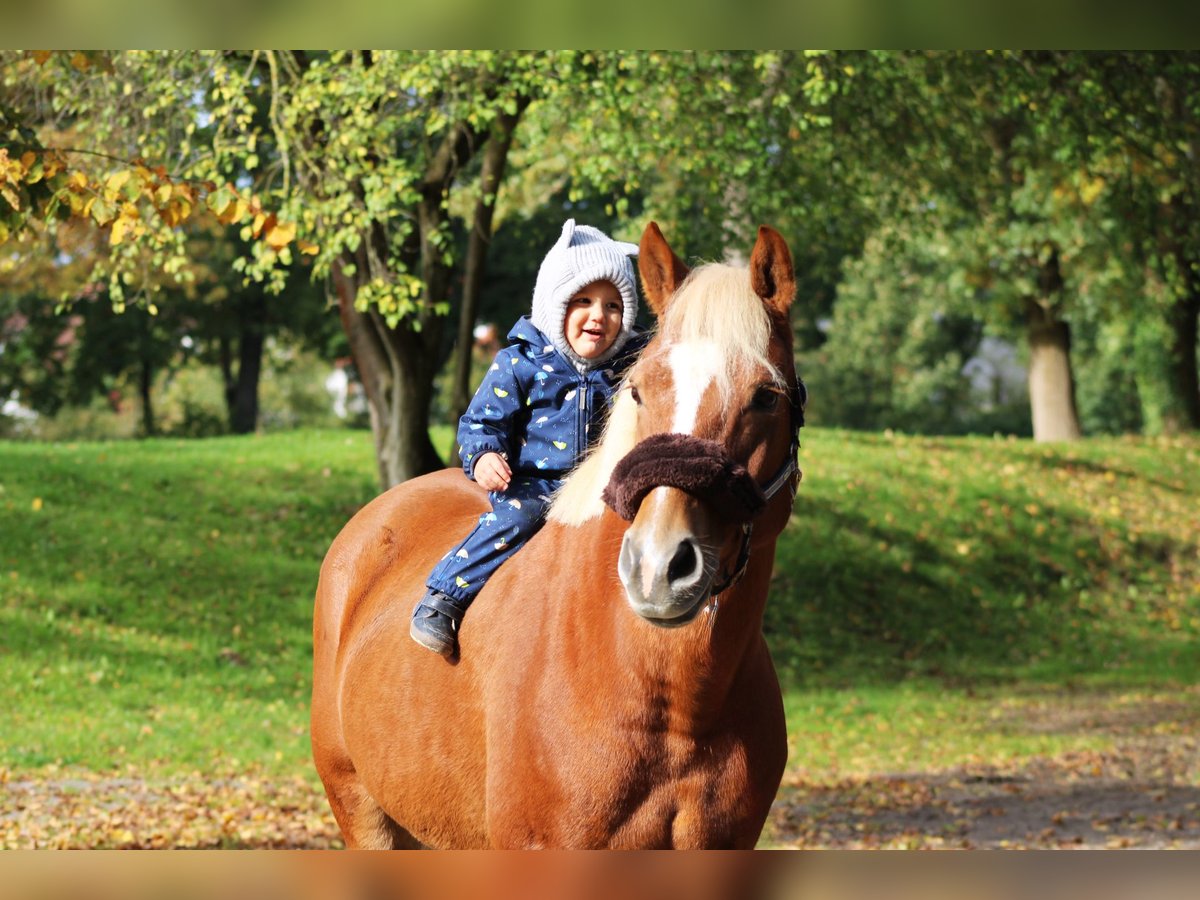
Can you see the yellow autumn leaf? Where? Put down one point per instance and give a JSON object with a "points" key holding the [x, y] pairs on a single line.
{"points": [[126, 223], [1091, 189], [40, 56], [28, 158], [52, 164], [116, 181], [280, 235], [176, 212], [307, 248], [78, 179], [120, 227], [231, 212], [80, 61], [14, 199]]}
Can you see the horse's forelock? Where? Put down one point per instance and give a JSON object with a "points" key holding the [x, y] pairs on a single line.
{"points": [[716, 305]]}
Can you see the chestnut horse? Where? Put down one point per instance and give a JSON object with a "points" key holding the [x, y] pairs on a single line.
{"points": [[613, 688]]}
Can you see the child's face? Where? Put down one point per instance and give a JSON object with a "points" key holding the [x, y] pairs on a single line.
{"points": [[593, 321]]}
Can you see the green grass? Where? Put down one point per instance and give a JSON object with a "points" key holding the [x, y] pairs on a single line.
{"points": [[980, 559], [155, 597]]}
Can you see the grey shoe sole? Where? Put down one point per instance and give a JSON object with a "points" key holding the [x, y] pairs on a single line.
{"points": [[436, 643]]}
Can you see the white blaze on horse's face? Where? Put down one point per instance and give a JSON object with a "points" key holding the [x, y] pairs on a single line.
{"points": [[672, 551], [667, 567], [694, 366]]}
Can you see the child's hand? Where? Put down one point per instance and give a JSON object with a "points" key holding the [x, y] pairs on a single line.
{"points": [[492, 472]]}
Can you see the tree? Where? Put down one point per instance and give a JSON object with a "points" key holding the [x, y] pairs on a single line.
{"points": [[1076, 172], [1147, 148], [361, 160], [903, 328]]}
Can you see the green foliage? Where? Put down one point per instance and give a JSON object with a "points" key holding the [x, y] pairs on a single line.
{"points": [[1110, 390], [1060, 182], [905, 324], [189, 401]]}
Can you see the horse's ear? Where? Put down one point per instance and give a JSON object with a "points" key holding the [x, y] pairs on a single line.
{"points": [[661, 270], [771, 274]]}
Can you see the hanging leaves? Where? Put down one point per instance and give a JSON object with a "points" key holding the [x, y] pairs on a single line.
{"points": [[122, 199]]}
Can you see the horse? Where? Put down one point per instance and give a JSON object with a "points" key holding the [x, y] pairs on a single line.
{"points": [[613, 687]]}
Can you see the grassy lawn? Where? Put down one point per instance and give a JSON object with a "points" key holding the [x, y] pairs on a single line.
{"points": [[155, 597], [931, 594]]}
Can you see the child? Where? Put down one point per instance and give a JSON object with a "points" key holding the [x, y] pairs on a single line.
{"points": [[535, 412]]}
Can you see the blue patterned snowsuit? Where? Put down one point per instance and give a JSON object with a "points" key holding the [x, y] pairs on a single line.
{"points": [[541, 413]]}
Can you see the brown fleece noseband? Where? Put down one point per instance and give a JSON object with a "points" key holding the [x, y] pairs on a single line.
{"points": [[697, 466]]}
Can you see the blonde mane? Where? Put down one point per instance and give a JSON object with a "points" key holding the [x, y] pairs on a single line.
{"points": [[714, 305]]}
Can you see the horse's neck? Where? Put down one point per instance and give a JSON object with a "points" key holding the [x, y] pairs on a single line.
{"points": [[691, 672]]}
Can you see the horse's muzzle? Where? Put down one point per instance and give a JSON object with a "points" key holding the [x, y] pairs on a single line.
{"points": [[667, 592], [666, 571]]}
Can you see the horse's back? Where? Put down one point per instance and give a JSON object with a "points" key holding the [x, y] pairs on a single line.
{"points": [[391, 543], [383, 708]]}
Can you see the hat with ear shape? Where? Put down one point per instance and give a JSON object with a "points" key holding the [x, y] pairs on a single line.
{"points": [[581, 255]]}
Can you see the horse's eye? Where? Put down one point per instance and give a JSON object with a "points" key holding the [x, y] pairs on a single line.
{"points": [[765, 399], [633, 392]]}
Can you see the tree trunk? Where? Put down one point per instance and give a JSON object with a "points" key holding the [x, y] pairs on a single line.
{"points": [[1183, 412], [478, 242], [243, 418], [1051, 382], [241, 386], [228, 379], [1181, 409], [397, 366], [1172, 404], [145, 385]]}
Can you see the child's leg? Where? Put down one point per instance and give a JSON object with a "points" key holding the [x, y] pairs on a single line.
{"points": [[516, 515]]}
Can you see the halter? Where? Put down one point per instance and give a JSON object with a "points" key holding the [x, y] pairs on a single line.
{"points": [[702, 468]]}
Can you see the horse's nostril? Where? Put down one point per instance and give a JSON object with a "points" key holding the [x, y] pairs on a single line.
{"points": [[683, 563]]}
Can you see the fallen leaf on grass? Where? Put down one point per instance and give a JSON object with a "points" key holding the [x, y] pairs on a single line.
{"points": [[125, 812]]}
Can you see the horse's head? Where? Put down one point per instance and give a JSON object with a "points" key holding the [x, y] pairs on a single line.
{"points": [[714, 404]]}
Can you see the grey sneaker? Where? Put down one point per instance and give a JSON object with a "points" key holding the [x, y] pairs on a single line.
{"points": [[435, 623]]}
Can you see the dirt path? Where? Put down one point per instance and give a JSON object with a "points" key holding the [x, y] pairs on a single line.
{"points": [[1132, 797], [1143, 792], [131, 812]]}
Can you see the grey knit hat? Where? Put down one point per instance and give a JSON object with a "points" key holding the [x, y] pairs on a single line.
{"points": [[582, 255]]}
